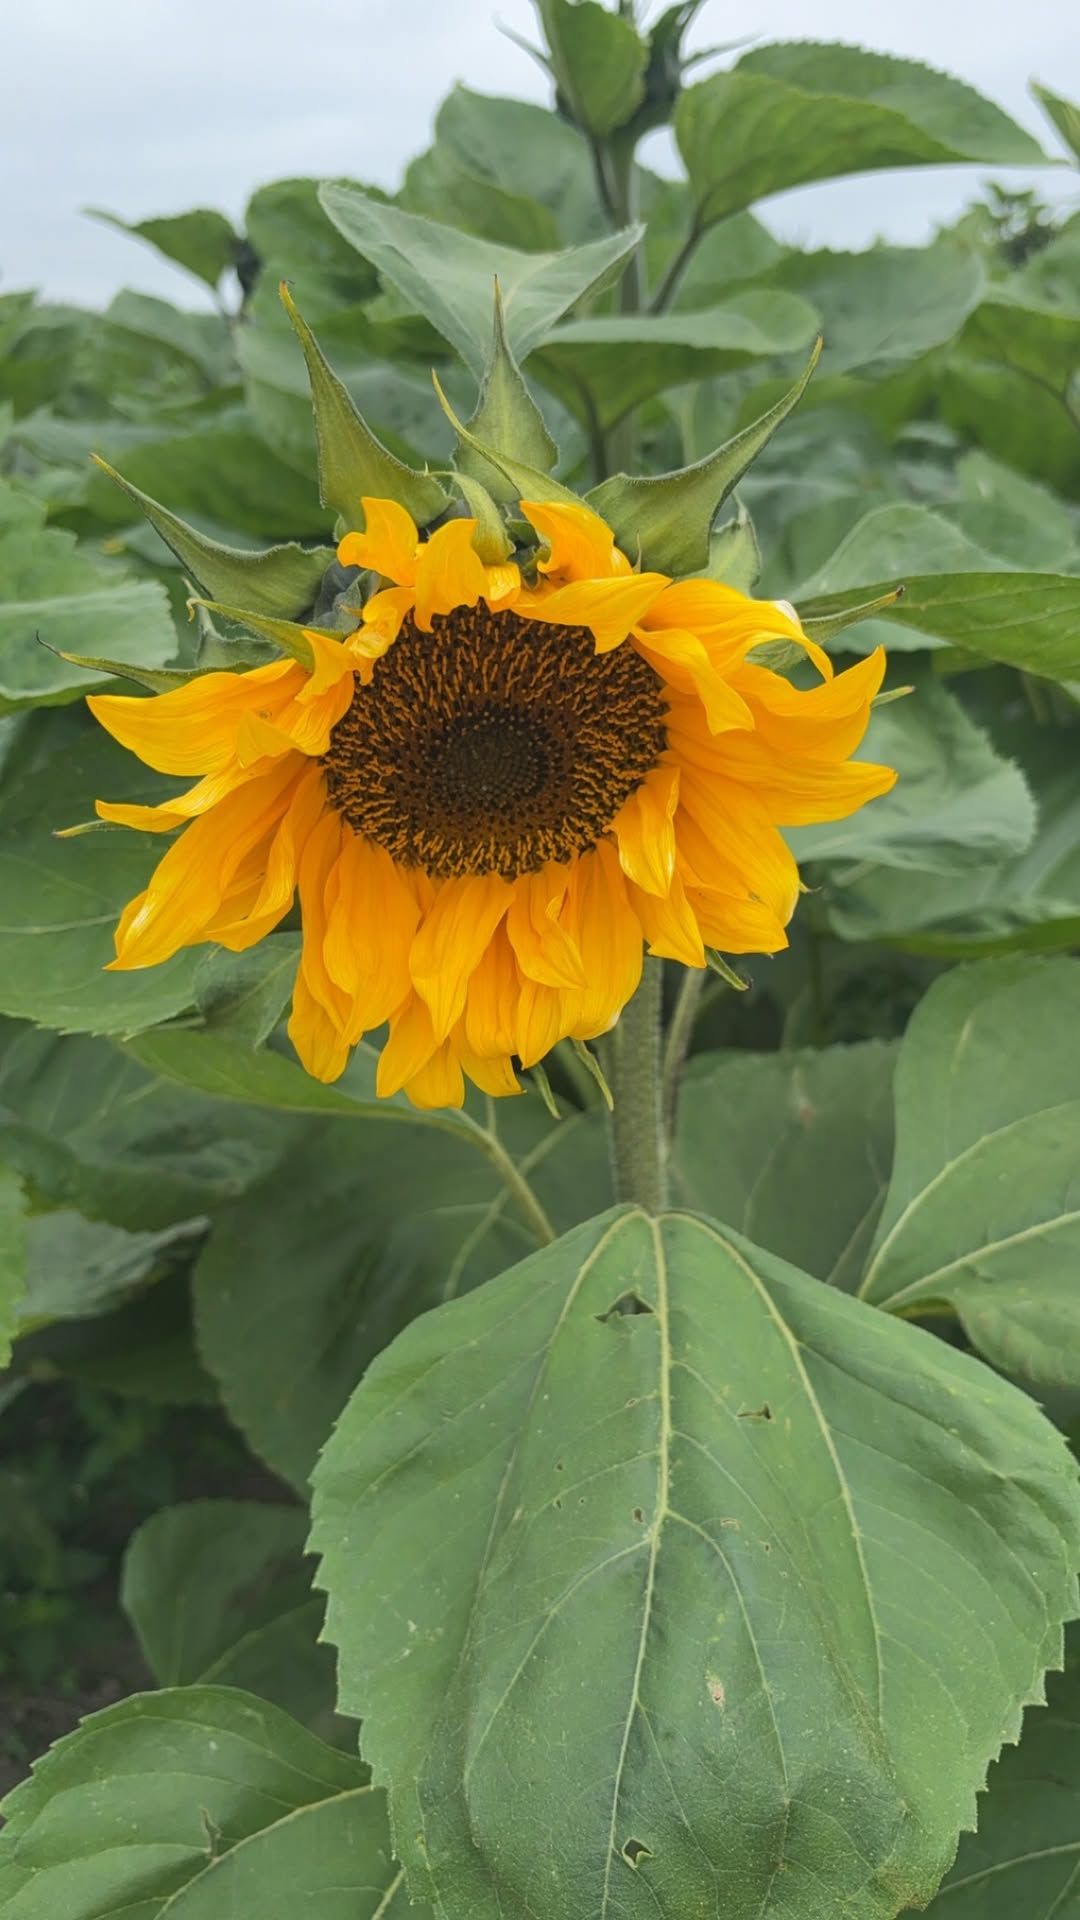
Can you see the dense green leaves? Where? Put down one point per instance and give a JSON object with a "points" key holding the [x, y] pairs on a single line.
{"points": [[450, 276], [802, 111], [657, 1470], [12, 1255], [202, 1803], [983, 1212]]}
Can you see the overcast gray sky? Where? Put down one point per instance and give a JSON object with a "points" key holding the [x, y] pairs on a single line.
{"points": [[151, 106]]}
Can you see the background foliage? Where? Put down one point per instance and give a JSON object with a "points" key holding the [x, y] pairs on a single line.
{"points": [[202, 1251]]}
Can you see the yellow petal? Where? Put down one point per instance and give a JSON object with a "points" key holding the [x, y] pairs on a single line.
{"points": [[387, 545], [254, 919], [580, 545], [369, 932], [383, 615], [318, 860], [440, 1082], [448, 947], [544, 948], [408, 1048], [187, 886], [608, 935], [736, 837], [495, 1076], [333, 662], [176, 812], [492, 1000], [449, 573], [825, 722], [644, 830], [730, 623], [321, 1050], [193, 728], [736, 926], [670, 925], [541, 1021], [681, 660], [608, 608], [502, 584]]}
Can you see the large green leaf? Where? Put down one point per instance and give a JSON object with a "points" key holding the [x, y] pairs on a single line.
{"points": [[957, 804], [92, 1130], [1035, 338], [441, 186], [202, 241], [983, 1212], [801, 111], [62, 898], [12, 1255], [295, 241], [1025, 1857], [202, 1803], [883, 307], [689, 1554], [218, 1593], [77, 1268], [55, 598], [383, 1220], [222, 473], [526, 150], [792, 1149], [606, 366], [450, 276], [1016, 519]]}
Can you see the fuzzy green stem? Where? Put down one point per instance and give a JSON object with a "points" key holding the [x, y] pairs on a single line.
{"points": [[638, 1134], [679, 1035]]}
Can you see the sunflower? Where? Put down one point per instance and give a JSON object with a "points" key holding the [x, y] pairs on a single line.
{"points": [[508, 782]]}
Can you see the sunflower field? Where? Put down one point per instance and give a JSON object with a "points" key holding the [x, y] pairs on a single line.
{"points": [[540, 1058]]}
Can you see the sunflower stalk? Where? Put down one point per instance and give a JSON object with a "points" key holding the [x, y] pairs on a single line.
{"points": [[639, 1137]]}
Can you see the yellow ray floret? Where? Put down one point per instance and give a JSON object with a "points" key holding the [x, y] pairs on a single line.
{"points": [[493, 797]]}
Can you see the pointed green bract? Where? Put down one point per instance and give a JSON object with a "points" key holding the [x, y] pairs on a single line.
{"points": [[526, 483], [734, 553], [352, 462], [154, 679], [283, 633], [507, 418], [668, 517], [282, 580], [825, 627], [1064, 114], [491, 540], [659, 1471]]}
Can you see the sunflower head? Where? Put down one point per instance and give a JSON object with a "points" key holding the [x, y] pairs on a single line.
{"points": [[516, 761]]}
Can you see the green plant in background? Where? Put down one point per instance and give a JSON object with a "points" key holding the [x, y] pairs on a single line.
{"points": [[692, 1558]]}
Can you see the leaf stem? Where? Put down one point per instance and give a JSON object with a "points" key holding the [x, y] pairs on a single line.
{"points": [[679, 1035], [516, 1184], [639, 1143], [678, 266]]}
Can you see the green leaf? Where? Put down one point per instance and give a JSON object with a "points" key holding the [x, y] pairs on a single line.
{"points": [[1036, 339], [142, 1349], [734, 553], [1065, 116], [1025, 1858], [62, 898], [957, 804], [220, 1063], [244, 995], [1025, 620], [352, 462], [655, 1487], [507, 419], [449, 276], [203, 1803], [804, 110], [222, 473], [202, 241], [76, 1268], [282, 580], [54, 595], [13, 1207], [439, 184], [295, 241], [668, 517], [884, 307], [792, 1149], [610, 364], [90, 1129], [598, 60], [523, 149], [219, 1594], [1023, 523], [407, 1215], [983, 1213]]}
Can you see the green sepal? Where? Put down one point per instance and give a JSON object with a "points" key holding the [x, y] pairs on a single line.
{"points": [[528, 483], [595, 1071], [154, 679], [734, 553], [718, 965], [280, 580], [538, 1076], [352, 462], [491, 540], [1064, 114], [507, 418], [282, 633], [668, 517], [824, 626]]}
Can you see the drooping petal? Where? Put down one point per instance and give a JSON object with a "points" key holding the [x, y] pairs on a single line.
{"points": [[580, 545], [683, 662], [824, 722], [494, 1075], [545, 949], [731, 925], [387, 545], [318, 860], [540, 1021], [670, 925], [319, 1045], [608, 936], [608, 608], [383, 615], [735, 840], [170, 814], [369, 932], [729, 623], [194, 728], [409, 1047], [440, 1082], [448, 947], [644, 830], [449, 573], [490, 1020], [251, 921], [188, 885]]}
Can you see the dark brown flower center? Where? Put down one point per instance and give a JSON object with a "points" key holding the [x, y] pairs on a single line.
{"points": [[494, 744]]}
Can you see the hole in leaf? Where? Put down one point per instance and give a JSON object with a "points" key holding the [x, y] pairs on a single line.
{"points": [[635, 1850], [764, 1412], [627, 1303], [638, 1515]]}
